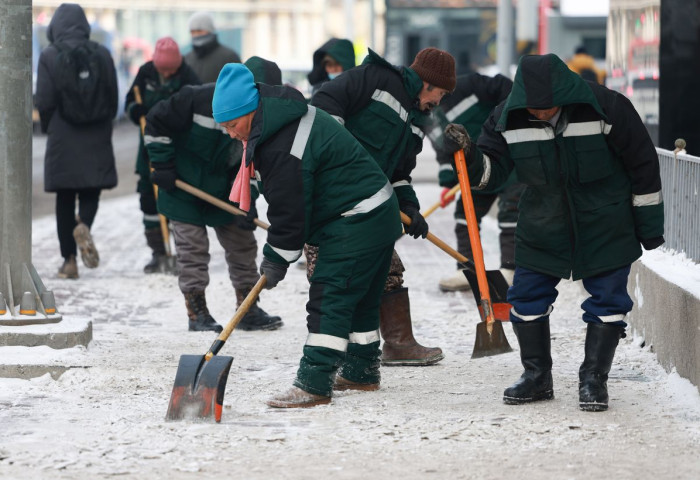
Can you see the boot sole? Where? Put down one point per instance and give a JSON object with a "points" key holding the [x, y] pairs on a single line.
{"points": [[271, 326], [413, 363], [280, 404], [362, 387], [88, 251], [69, 277], [454, 289], [593, 407], [548, 395]]}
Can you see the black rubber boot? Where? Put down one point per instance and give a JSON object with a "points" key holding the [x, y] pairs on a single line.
{"points": [[154, 239], [256, 318], [601, 342], [535, 354], [199, 318]]}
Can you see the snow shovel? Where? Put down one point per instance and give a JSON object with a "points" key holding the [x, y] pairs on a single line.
{"points": [[200, 381], [450, 194], [490, 337], [170, 265]]}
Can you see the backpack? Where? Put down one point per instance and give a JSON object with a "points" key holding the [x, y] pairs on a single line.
{"points": [[84, 84]]}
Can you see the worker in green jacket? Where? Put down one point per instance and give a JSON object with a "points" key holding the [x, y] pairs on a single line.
{"points": [[593, 196], [322, 188]]}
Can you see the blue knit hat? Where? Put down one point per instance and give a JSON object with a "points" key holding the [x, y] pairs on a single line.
{"points": [[235, 94]]}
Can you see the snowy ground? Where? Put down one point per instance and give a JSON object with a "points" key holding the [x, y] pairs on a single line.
{"points": [[440, 422]]}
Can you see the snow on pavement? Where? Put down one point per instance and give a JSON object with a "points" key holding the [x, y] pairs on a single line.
{"points": [[444, 422]]}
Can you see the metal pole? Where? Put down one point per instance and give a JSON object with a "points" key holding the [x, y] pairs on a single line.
{"points": [[15, 140], [371, 25], [350, 19], [504, 35]]}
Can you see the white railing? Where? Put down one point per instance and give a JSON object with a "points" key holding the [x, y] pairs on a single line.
{"points": [[680, 180]]}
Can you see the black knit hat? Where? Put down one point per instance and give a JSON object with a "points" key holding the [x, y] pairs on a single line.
{"points": [[436, 67]]}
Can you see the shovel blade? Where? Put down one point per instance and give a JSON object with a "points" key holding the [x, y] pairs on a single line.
{"points": [[498, 291], [198, 392], [487, 345]]}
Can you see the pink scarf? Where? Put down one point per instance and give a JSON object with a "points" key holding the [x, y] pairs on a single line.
{"points": [[240, 193]]}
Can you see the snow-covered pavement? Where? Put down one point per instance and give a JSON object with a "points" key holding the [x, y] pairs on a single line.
{"points": [[441, 422]]}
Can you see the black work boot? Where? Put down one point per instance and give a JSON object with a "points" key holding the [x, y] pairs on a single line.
{"points": [[601, 342], [198, 313], [535, 354], [154, 239], [256, 318]]}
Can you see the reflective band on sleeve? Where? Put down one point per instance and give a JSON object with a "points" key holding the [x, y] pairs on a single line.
{"points": [[528, 135], [206, 122], [401, 183], [148, 139], [435, 134], [340, 120], [151, 217], [464, 105], [581, 129], [618, 317], [289, 255], [388, 99], [417, 131], [507, 224], [530, 318], [446, 166], [327, 341], [648, 199], [487, 174], [303, 131], [369, 204], [364, 338]]}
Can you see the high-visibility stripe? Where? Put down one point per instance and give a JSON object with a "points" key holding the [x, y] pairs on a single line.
{"points": [[645, 200], [486, 175], [151, 217], [206, 122], [528, 135], [340, 120], [401, 183], [618, 317], [435, 133], [327, 341], [464, 105], [388, 99], [417, 131], [507, 224], [369, 204], [303, 132], [446, 166], [289, 255], [461, 221], [580, 129], [530, 318], [148, 139], [364, 338]]}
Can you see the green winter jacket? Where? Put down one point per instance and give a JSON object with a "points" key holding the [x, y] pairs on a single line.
{"points": [[321, 186], [377, 103], [593, 186]]}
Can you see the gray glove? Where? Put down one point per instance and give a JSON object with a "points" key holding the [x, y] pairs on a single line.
{"points": [[274, 272], [456, 138]]}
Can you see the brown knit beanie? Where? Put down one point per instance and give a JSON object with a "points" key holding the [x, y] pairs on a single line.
{"points": [[436, 67]]}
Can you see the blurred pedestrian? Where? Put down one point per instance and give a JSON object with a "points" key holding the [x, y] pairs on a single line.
{"points": [[593, 195], [382, 106], [184, 141], [331, 59], [322, 188], [208, 56], [76, 96], [156, 80], [583, 63], [470, 105]]}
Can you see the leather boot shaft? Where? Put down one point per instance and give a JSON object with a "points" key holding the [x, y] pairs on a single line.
{"points": [[199, 318], [400, 347], [154, 240], [256, 318], [535, 383], [601, 342]]}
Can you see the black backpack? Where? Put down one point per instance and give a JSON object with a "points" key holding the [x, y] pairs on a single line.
{"points": [[84, 84]]}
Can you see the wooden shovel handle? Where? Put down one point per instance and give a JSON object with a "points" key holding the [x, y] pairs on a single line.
{"points": [[137, 98], [217, 202], [441, 245], [249, 301], [474, 238], [453, 191]]}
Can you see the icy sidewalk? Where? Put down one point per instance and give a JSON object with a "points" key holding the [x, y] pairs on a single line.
{"points": [[441, 422]]}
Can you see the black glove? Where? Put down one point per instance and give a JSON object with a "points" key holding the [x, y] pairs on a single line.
{"points": [[652, 243], [247, 222], [164, 175], [136, 111], [274, 272], [456, 138], [418, 226]]}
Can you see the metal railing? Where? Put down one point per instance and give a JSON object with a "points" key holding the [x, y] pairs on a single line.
{"points": [[680, 181]]}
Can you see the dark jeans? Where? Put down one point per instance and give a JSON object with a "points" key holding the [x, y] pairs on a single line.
{"points": [[88, 200]]}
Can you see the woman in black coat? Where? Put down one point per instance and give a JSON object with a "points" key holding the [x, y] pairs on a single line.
{"points": [[79, 159]]}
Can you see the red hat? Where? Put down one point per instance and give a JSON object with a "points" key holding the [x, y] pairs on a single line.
{"points": [[436, 67], [167, 54]]}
